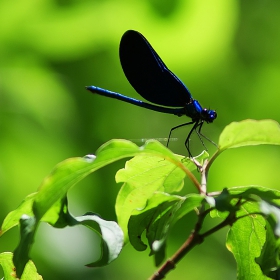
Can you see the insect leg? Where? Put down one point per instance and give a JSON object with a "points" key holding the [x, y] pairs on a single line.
{"points": [[173, 128], [187, 142], [202, 135]]}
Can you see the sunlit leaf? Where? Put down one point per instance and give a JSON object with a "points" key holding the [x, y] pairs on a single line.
{"points": [[30, 271], [249, 132], [12, 219], [71, 171], [50, 202], [245, 240], [6, 261], [143, 176]]}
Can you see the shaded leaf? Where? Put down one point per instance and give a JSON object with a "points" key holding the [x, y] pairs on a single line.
{"points": [[224, 201], [110, 234], [191, 202], [269, 259], [157, 219], [262, 192], [27, 232], [269, 209], [159, 249], [140, 220]]}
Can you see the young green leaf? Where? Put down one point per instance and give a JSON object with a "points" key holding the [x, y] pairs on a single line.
{"points": [[69, 172], [6, 261], [30, 271], [248, 133], [143, 176], [50, 202]]}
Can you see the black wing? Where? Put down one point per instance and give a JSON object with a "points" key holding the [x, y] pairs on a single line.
{"points": [[147, 73]]}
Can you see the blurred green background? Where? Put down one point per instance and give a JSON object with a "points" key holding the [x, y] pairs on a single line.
{"points": [[226, 52]]}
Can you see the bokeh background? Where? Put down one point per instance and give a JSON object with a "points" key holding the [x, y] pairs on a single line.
{"points": [[226, 52]]}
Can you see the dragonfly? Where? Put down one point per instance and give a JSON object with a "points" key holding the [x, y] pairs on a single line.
{"points": [[151, 78]]}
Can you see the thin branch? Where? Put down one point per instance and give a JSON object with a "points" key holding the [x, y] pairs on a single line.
{"points": [[193, 240], [204, 177], [195, 237]]}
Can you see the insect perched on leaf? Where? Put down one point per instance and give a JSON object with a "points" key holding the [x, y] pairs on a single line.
{"points": [[150, 77]]}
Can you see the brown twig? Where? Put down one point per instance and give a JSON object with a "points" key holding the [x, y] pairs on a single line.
{"points": [[193, 240]]}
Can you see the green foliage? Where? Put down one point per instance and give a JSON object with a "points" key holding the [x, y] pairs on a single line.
{"points": [[226, 52], [30, 271], [153, 198]]}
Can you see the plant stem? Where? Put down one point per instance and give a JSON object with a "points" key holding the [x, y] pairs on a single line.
{"points": [[194, 239]]}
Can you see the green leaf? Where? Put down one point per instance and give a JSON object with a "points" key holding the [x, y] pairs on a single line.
{"points": [[50, 202], [145, 170], [262, 247], [12, 219], [191, 202], [143, 176], [269, 209], [54, 216], [248, 133], [69, 172], [141, 220], [267, 194], [30, 271], [158, 249], [269, 259], [58, 215], [245, 240], [223, 202], [226, 200], [6, 261], [27, 233], [110, 233], [157, 218]]}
